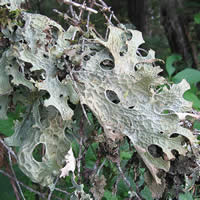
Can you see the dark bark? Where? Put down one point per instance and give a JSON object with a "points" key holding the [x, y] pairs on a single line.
{"points": [[138, 14], [176, 30]]}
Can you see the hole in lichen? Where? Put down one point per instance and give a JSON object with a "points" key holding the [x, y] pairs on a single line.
{"points": [[155, 151], [71, 105], [142, 50], [123, 50], [61, 74], [161, 132], [55, 137], [136, 67], [77, 67], [165, 112], [174, 135], [86, 58], [175, 153], [93, 53], [0, 107], [96, 48], [37, 75], [45, 56], [15, 28], [131, 107], [161, 173], [156, 89], [39, 152], [112, 96], [54, 31], [184, 140], [129, 35], [107, 64], [61, 95]]}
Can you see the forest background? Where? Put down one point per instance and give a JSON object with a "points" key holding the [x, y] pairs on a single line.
{"points": [[172, 29]]}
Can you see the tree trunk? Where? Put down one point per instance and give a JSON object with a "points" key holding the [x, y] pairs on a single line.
{"points": [[176, 31], [138, 14]]}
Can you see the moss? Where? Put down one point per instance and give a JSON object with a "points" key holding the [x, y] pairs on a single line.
{"points": [[7, 17]]}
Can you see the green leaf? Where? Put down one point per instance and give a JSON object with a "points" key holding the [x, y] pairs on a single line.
{"points": [[186, 196], [90, 117], [146, 194], [196, 125], [197, 18], [109, 196], [6, 127], [190, 96], [122, 189], [169, 63], [192, 76], [125, 155], [90, 156]]}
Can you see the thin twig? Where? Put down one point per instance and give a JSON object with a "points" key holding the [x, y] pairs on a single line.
{"points": [[107, 30], [51, 192], [88, 21], [95, 31], [126, 180], [108, 19], [78, 91], [88, 17], [60, 190], [101, 166], [79, 157], [114, 191], [10, 151], [81, 11], [13, 183], [106, 8], [72, 11], [25, 186], [80, 6], [80, 149], [13, 172], [8, 148]]}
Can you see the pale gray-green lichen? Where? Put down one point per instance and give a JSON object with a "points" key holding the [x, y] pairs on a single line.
{"points": [[122, 88], [50, 132], [126, 101], [31, 63]]}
